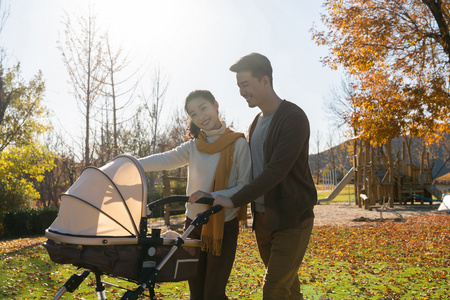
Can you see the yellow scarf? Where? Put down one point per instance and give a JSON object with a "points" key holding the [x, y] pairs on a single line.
{"points": [[212, 232]]}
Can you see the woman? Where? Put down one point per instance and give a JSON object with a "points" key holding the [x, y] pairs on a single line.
{"points": [[218, 162]]}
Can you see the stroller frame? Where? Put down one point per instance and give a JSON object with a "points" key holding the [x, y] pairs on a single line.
{"points": [[149, 280], [148, 267]]}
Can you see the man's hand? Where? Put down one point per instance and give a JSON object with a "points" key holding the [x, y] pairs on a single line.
{"points": [[198, 195], [223, 201]]}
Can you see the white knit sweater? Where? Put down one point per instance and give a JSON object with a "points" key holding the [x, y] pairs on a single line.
{"points": [[202, 167]]}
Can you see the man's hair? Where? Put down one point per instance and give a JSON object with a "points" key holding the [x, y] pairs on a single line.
{"points": [[256, 63]]}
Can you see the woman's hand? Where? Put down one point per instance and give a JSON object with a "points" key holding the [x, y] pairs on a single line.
{"points": [[198, 195], [224, 201]]}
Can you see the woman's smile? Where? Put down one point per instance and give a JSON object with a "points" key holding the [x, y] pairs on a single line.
{"points": [[204, 123]]}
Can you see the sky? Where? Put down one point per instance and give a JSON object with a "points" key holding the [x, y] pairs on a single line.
{"points": [[192, 42]]}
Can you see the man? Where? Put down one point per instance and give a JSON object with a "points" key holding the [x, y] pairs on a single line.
{"points": [[282, 192]]}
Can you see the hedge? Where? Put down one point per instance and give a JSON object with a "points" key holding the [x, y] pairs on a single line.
{"points": [[28, 221]]}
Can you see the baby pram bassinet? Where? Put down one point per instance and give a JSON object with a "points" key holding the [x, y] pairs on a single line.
{"points": [[102, 226]]}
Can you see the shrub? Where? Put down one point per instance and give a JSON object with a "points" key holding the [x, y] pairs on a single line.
{"points": [[26, 222], [41, 219]]}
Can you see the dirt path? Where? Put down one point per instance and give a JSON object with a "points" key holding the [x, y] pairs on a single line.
{"points": [[344, 214], [341, 214]]}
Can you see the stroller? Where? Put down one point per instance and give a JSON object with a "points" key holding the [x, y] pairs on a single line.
{"points": [[102, 227]]}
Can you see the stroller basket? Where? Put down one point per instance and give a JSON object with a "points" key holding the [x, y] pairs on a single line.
{"points": [[102, 226], [132, 262]]}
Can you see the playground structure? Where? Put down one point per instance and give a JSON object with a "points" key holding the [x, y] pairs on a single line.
{"points": [[340, 186], [381, 180]]}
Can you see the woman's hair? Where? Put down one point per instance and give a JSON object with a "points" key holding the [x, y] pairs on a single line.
{"points": [[193, 130]]}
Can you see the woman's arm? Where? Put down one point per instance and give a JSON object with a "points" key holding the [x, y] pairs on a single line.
{"points": [[168, 160]]}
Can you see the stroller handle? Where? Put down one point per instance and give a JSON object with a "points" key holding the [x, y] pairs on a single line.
{"points": [[176, 198], [203, 217]]}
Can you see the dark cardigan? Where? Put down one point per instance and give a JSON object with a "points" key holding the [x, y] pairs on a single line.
{"points": [[286, 181]]}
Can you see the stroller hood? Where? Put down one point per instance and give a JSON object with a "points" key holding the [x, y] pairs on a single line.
{"points": [[103, 205]]}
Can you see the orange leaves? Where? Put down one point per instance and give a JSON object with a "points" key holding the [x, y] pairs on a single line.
{"points": [[388, 260], [247, 276], [392, 49], [14, 245], [409, 260]]}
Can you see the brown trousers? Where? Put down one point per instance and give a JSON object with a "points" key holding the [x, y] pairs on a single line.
{"points": [[282, 253], [214, 271]]}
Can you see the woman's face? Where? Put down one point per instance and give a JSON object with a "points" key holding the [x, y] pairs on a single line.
{"points": [[204, 114]]}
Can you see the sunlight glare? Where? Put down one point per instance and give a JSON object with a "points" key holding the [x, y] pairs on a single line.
{"points": [[158, 28]]}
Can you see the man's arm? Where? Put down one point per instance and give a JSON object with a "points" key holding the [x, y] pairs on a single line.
{"points": [[293, 137]]}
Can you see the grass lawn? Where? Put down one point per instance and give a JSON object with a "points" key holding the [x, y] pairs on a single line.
{"points": [[408, 260], [346, 195]]}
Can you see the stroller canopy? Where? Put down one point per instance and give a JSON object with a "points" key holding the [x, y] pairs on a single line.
{"points": [[104, 206]]}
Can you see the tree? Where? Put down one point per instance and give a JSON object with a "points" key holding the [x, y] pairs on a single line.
{"points": [[154, 105], [65, 172], [24, 119], [19, 167], [82, 55], [175, 132], [397, 53], [4, 14], [136, 138], [338, 105], [115, 63]]}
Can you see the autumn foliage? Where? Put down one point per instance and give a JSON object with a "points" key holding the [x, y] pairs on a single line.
{"points": [[397, 53]]}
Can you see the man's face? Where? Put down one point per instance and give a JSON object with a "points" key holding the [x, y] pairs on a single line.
{"points": [[250, 88]]}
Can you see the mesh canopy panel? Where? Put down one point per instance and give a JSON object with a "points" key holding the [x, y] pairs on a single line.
{"points": [[109, 201]]}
